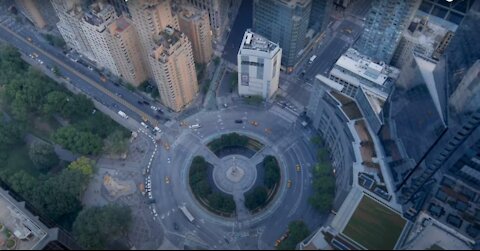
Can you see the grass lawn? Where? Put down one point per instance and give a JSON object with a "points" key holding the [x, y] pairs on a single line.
{"points": [[374, 226]]}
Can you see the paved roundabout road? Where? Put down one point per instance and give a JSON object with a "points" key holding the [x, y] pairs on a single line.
{"points": [[283, 137]]}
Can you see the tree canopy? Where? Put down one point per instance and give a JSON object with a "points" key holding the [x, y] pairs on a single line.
{"points": [[298, 231], [95, 227], [43, 155]]}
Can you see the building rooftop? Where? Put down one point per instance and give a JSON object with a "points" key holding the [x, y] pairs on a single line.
{"points": [[191, 13], [29, 233], [99, 13], [168, 37], [119, 25], [253, 41], [365, 67]]}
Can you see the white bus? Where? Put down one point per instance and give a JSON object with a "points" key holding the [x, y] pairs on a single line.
{"points": [[312, 59], [122, 114], [187, 213], [195, 126]]}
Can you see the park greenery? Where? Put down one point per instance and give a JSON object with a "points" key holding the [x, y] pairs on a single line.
{"points": [[323, 179], [258, 197], [43, 155], [33, 105], [233, 140], [58, 196], [298, 231], [199, 181], [28, 94], [96, 227]]}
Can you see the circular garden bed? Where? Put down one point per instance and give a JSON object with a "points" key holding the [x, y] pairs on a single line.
{"points": [[202, 185], [264, 190]]}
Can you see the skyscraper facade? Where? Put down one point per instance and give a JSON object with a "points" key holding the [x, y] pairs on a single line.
{"points": [[284, 22], [196, 25], [174, 69], [319, 15], [167, 52], [384, 25], [124, 48], [434, 114], [218, 13], [94, 25], [150, 18], [258, 63], [70, 16]]}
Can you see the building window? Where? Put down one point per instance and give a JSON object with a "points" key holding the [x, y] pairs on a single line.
{"points": [[245, 79]]}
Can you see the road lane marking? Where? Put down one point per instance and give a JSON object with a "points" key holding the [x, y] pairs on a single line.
{"points": [[83, 77]]}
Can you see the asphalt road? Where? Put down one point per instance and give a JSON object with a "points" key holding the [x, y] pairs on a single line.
{"points": [[242, 23], [331, 48], [287, 138], [111, 95]]}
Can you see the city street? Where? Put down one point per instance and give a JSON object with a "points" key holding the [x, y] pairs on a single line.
{"points": [[287, 139], [279, 128], [108, 93]]}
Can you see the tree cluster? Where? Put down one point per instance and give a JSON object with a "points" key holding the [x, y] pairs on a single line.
{"points": [[297, 232], [54, 196], [201, 187], [96, 227], [43, 155], [228, 140], [28, 93], [323, 187], [256, 198], [272, 171]]}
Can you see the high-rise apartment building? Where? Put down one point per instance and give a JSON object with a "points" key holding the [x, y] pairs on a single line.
{"points": [[384, 25], [218, 13], [173, 68], [196, 25], [30, 10], [283, 22], [94, 25], [151, 17], [70, 14], [258, 63], [124, 48]]}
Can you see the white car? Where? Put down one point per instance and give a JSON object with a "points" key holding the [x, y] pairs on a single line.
{"points": [[144, 125], [154, 108]]}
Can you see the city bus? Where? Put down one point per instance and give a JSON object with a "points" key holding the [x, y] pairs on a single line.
{"points": [[187, 213]]}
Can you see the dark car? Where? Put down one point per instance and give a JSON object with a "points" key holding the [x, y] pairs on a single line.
{"points": [[145, 102], [116, 84], [159, 111], [175, 226], [139, 102], [157, 116], [238, 121]]}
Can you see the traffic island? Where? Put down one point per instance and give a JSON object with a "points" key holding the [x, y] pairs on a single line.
{"points": [[260, 195], [204, 190]]}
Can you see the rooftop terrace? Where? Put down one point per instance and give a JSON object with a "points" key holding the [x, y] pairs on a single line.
{"points": [[253, 41]]}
